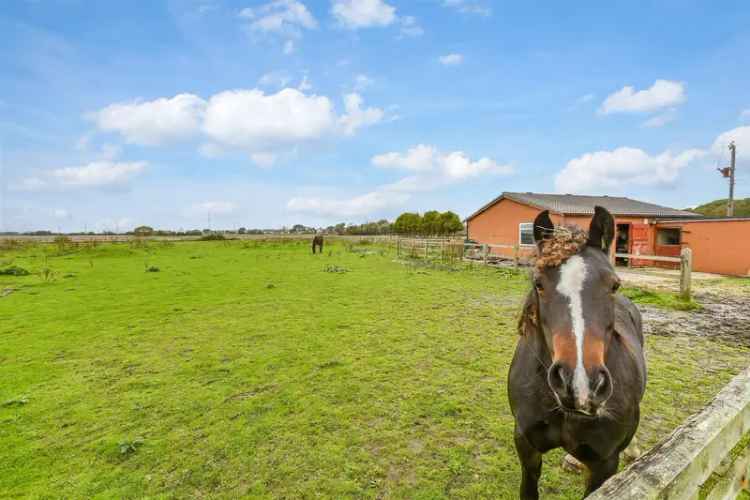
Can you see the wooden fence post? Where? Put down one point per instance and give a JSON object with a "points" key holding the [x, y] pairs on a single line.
{"points": [[515, 255], [485, 252], [686, 268], [398, 247], [426, 250]]}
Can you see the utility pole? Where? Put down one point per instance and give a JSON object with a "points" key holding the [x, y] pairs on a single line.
{"points": [[728, 173]]}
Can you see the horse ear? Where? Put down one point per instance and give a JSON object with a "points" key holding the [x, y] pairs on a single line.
{"points": [[543, 228], [602, 229]]}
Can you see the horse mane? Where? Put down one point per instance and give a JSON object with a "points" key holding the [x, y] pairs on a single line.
{"points": [[565, 242]]}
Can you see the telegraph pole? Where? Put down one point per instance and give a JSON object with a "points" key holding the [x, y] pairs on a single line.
{"points": [[728, 173]]}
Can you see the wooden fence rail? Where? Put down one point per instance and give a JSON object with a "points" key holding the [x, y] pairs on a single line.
{"points": [[686, 266], [700, 459]]}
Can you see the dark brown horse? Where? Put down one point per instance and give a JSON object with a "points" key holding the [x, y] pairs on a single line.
{"points": [[317, 242], [578, 373]]}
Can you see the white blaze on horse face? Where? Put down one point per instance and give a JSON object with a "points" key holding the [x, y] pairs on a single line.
{"points": [[572, 277]]}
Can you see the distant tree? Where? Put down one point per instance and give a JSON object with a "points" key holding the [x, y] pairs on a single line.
{"points": [[408, 223], [241, 230], [450, 223], [430, 223], [143, 231]]}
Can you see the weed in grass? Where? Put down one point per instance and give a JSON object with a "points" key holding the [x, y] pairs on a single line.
{"points": [[332, 268], [14, 271], [130, 446], [152, 269], [270, 286], [15, 402], [47, 274]]}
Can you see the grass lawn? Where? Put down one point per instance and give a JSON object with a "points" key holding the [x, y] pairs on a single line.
{"points": [[247, 369]]}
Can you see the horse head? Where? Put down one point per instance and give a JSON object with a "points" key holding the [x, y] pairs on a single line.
{"points": [[575, 286]]}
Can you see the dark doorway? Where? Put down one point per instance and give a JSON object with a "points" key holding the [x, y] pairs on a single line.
{"points": [[622, 243]]}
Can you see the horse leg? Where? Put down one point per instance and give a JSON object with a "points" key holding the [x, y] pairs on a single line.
{"points": [[600, 472], [531, 466]]}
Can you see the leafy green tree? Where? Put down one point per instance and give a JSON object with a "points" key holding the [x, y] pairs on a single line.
{"points": [[408, 223], [450, 223], [430, 223]]}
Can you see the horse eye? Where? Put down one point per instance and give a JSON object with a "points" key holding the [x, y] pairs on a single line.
{"points": [[615, 286], [538, 285]]}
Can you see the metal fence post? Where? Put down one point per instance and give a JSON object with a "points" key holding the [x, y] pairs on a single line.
{"points": [[686, 268]]}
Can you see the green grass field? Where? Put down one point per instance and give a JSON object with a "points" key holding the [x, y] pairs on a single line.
{"points": [[248, 369]]}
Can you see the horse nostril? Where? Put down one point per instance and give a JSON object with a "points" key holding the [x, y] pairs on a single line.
{"points": [[602, 384], [558, 378]]}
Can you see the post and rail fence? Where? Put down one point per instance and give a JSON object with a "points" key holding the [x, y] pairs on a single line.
{"points": [[685, 260], [706, 457]]}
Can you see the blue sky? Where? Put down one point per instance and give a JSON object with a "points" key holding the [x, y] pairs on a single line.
{"points": [[263, 114]]}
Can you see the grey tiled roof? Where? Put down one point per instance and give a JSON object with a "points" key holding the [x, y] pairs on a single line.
{"points": [[571, 204]]}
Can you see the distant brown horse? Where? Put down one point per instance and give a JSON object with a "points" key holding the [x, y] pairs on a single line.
{"points": [[317, 242], [578, 373]]}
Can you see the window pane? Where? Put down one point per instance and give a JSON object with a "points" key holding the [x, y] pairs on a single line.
{"points": [[526, 233], [668, 237]]}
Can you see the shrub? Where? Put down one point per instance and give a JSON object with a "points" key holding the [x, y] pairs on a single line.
{"points": [[213, 237]]}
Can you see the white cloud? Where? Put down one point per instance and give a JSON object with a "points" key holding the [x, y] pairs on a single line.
{"points": [[246, 119], [213, 208], [263, 160], [357, 206], [94, 174], [661, 119], [60, 213], [410, 26], [420, 158], [468, 7], [304, 85], [280, 16], [361, 82], [250, 119], [435, 168], [274, 79], [354, 14], [153, 122], [741, 138], [357, 117], [98, 173], [604, 171], [661, 94], [286, 19], [451, 59], [430, 169]]}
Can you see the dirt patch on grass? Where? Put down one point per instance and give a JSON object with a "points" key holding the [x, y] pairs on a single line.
{"points": [[724, 317]]}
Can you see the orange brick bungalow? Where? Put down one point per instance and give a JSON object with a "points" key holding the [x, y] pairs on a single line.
{"points": [[719, 245]]}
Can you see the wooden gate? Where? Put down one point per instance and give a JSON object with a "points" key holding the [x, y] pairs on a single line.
{"points": [[639, 243]]}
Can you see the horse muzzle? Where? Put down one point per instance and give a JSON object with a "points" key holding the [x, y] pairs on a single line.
{"points": [[584, 390]]}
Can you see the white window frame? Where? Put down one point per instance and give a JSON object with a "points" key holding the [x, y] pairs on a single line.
{"points": [[527, 226]]}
